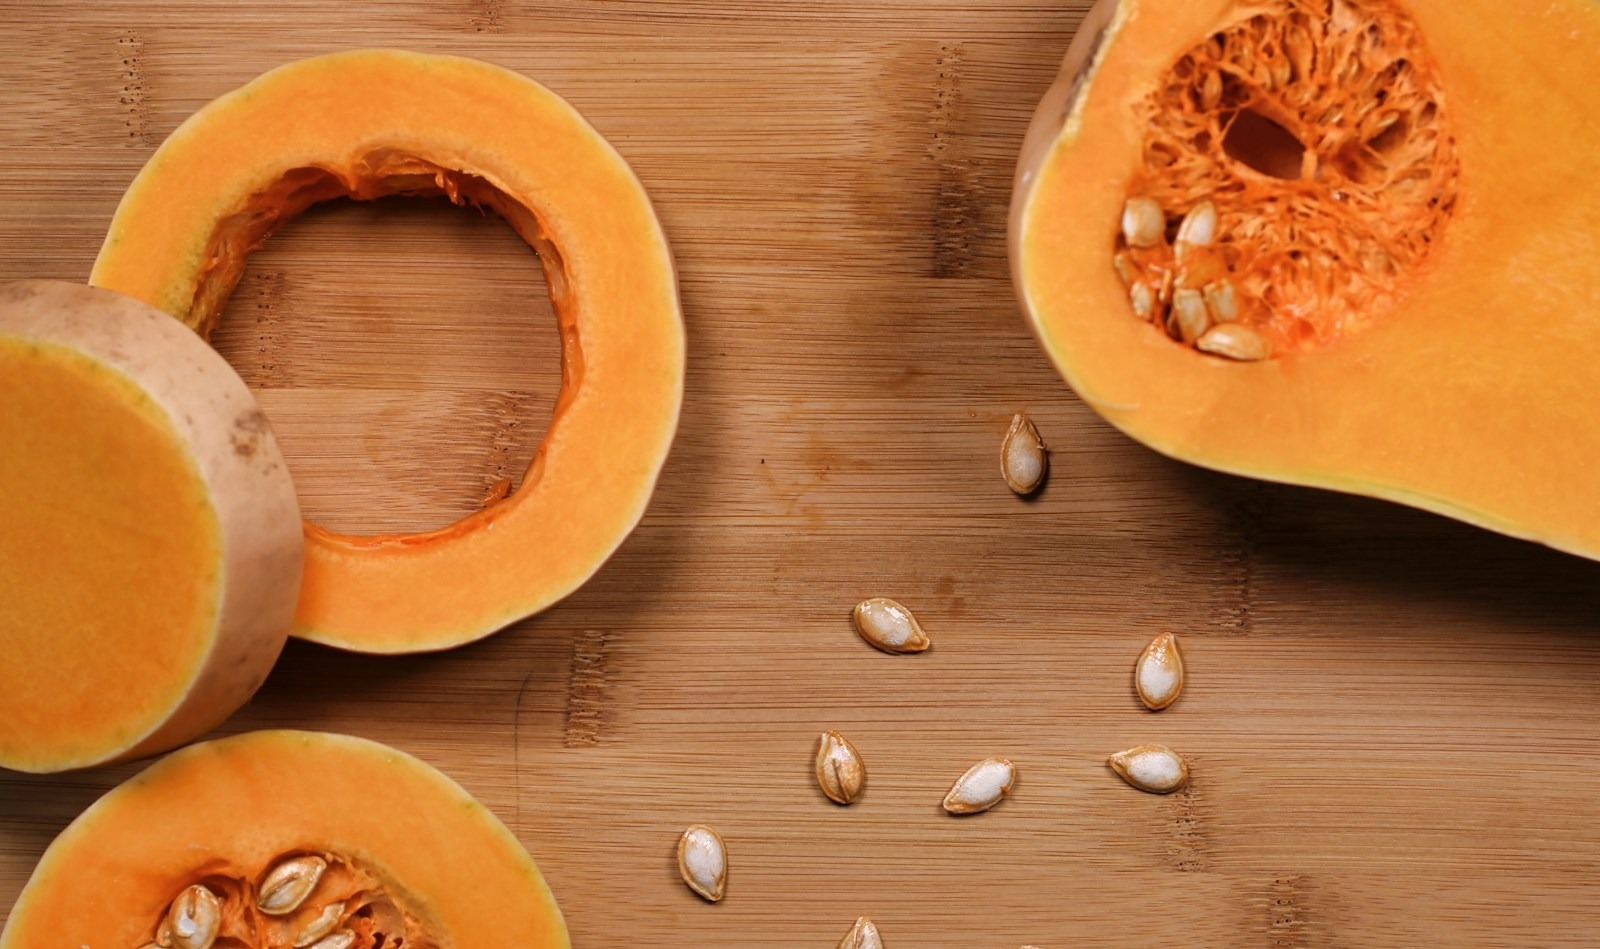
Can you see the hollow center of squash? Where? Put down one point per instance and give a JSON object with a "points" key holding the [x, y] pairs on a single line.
{"points": [[111, 552], [1297, 167], [313, 900], [506, 417]]}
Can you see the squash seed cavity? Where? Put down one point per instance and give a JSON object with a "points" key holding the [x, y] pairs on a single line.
{"points": [[1297, 167], [307, 901]]}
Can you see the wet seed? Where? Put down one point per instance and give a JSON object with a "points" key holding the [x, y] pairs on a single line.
{"points": [[1189, 318], [1143, 224], [1235, 341], [194, 918], [288, 884], [320, 926]]}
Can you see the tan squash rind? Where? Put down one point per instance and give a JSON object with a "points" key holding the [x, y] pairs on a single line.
{"points": [[227, 810], [244, 474], [370, 123]]}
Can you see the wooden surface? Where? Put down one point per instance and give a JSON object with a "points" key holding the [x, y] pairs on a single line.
{"points": [[1391, 717]]}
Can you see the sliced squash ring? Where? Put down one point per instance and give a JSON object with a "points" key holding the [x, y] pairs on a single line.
{"points": [[405, 853], [373, 123]]}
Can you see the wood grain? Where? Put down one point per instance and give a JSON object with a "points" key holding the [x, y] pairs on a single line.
{"points": [[1391, 716]]}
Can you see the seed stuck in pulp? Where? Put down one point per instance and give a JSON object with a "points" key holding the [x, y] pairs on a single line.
{"points": [[1143, 224], [703, 861], [863, 935], [288, 884], [1023, 459], [1235, 341], [194, 919], [320, 925], [1158, 675], [1154, 768], [889, 626], [840, 772], [985, 784]]}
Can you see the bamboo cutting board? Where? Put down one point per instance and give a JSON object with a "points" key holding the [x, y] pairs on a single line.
{"points": [[1391, 717]]}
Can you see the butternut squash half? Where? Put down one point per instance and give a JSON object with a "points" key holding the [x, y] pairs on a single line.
{"points": [[284, 838], [371, 123], [1353, 244], [150, 542]]}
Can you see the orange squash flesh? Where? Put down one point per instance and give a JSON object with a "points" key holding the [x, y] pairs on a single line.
{"points": [[149, 550], [1467, 391], [378, 122], [221, 814]]}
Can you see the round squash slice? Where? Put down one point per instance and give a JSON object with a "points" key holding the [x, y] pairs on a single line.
{"points": [[275, 839], [1353, 244], [150, 541], [372, 123]]}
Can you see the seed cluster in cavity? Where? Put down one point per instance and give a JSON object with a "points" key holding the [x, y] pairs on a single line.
{"points": [[1296, 167], [299, 901]]}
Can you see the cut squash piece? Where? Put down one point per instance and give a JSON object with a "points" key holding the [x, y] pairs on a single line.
{"points": [[371, 123], [150, 543], [283, 838], [1353, 244]]}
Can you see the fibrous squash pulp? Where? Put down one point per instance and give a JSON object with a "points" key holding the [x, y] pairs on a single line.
{"points": [[371, 123], [1345, 243]]}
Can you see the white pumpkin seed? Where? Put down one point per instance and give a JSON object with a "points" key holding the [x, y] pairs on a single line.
{"points": [[1189, 318], [288, 884], [1154, 768], [1222, 300], [1235, 341], [343, 939], [1124, 269], [983, 786], [1023, 459], [1199, 227], [863, 935], [703, 861], [1142, 299], [889, 626], [840, 770], [194, 918], [1158, 675], [1143, 223], [320, 926]]}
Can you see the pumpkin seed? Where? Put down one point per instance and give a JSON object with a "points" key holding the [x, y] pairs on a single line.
{"points": [[1119, 263], [703, 861], [194, 918], [320, 926], [1211, 90], [1158, 675], [288, 884], [1189, 318], [343, 939], [840, 771], [983, 786], [1143, 223], [1142, 299], [1154, 768], [1023, 460], [863, 935], [889, 626], [1235, 341], [1222, 300], [1198, 229]]}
